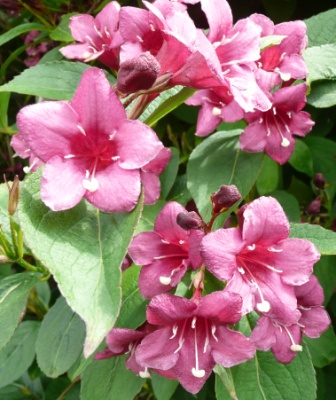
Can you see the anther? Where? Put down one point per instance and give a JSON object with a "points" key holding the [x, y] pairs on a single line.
{"points": [[175, 328], [91, 185], [216, 111], [69, 156], [165, 280], [115, 158], [273, 250], [198, 373], [144, 374], [251, 247], [81, 129], [285, 142], [264, 306]]}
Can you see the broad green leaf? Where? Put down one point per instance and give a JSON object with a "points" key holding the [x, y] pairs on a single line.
{"points": [[168, 176], [163, 388], [62, 33], [322, 94], [321, 28], [301, 158], [269, 176], [289, 203], [321, 62], [56, 80], [18, 30], [109, 379], [271, 40], [4, 101], [4, 216], [19, 352], [165, 103], [325, 271], [264, 378], [219, 161], [133, 309], [323, 239], [52, 55], [225, 376], [148, 216], [323, 349], [60, 340], [23, 388], [14, 291], [83, 248]]}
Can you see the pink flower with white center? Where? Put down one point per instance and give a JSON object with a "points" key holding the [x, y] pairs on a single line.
{"points": [[98, 37], [272, 131], [90, 148], [259, 261], [194, 336], [284, 340], [165, 253]]}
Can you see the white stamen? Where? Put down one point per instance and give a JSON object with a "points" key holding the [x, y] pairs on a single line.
{"points": [[97, 31], [87, 174], [285, 142], [268, 131], [181, 341], [259, 64], [139, 38], [287, 128], [111, 137], [107, 33], [289, 114], [164, 241], [193, 323], [144, 374], [90, 40], [216, 111], [261, 120], [181, 241], [91, 185], [27, 170], [165, 280], [69, 156], [152, 27], [206, 343], [213, 331], [264, 306], [198, 373], [294, 347], [274, 110], [115, 158], [175, 328], [81, 130], [86, 55], [251, 247], [241, 270], [273, 250]]}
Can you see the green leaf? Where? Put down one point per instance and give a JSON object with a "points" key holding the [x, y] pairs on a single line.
{"points": [[325, 271], [289, 203], [109, 379], [321, 28], [225, 376], [219, 161], [148, 216], [163, 388], [60, 340], [271, 40], [165, 103], [4, 216], [62, 33], [168, 176], [321, 62], [323, 239], [14, 291], [133, 310], [4, 101], [269, 176], [323, 94], [323, 349], [18, 30], [301, 158], [56, 80], [83, 248], [52, 55], [19, 353], [264, 378]]}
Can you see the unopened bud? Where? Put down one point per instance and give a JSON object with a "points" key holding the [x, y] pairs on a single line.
{"points": [[319, 180], [189, 220], [224, 198], [314, 207], [13, 195], [138, 73]]}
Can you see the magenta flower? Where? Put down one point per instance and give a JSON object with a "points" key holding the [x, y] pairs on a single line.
{"points": [[284, 340], [98, 37], [259, 261], [90, 148], [194, 336], [165, 253], [272, 131]]}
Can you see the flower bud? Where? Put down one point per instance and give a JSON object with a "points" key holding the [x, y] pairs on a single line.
{"points": [[319, 180], [13, 195], [224, 198], [314, 207], [189, 220], [138, 73]]}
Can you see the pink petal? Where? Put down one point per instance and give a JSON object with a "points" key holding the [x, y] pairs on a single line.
{"points": [[254, 138], [238, 285], [20, 145], [102, 355], [290, 98], [296, 39], [264, 22], [109, 17], [315, 321], [166, 225], [118, 190], [310, 294], [195, 238], [207, 122], [82, 26], [281, 349], [220, 249], [145, 246], [118, 339], [152, 187], [295, 66], [219, 16], [159, 163], [301, 123], [80, 52], [62, 183], [263, 334]]}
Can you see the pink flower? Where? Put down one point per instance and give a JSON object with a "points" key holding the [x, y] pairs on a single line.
{"points": [[259, 261], [284, 339], [165, 253], [90, 148], [98, 37], [194, 336], [272, 131]]}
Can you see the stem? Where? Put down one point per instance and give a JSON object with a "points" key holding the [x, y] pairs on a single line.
{"points": [[65, 391], [28, 266], [14, 237], [6, 245]]}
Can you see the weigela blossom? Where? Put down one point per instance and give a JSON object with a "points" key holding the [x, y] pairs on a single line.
{"points": [[90, 148], [272, 131], [194, 336], [165, 253], [259, 261], [98, 37], [283, 339]]}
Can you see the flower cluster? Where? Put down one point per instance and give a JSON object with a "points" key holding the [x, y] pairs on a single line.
{"points": [[264, 270]]}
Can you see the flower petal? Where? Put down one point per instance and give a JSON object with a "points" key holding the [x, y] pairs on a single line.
{"points": [[118, 339], [166, 225], [263, 334], [315, 321]]}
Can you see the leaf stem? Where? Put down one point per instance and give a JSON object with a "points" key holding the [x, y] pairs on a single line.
{"points": [[66, 390]]}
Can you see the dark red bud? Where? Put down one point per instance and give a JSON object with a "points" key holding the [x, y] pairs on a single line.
{"points": [[319, 180], [225, 198], [138, 73], [314, 207], [189, 220]]}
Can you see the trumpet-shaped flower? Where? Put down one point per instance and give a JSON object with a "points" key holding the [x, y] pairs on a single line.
{"points": [[89, 146]]}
